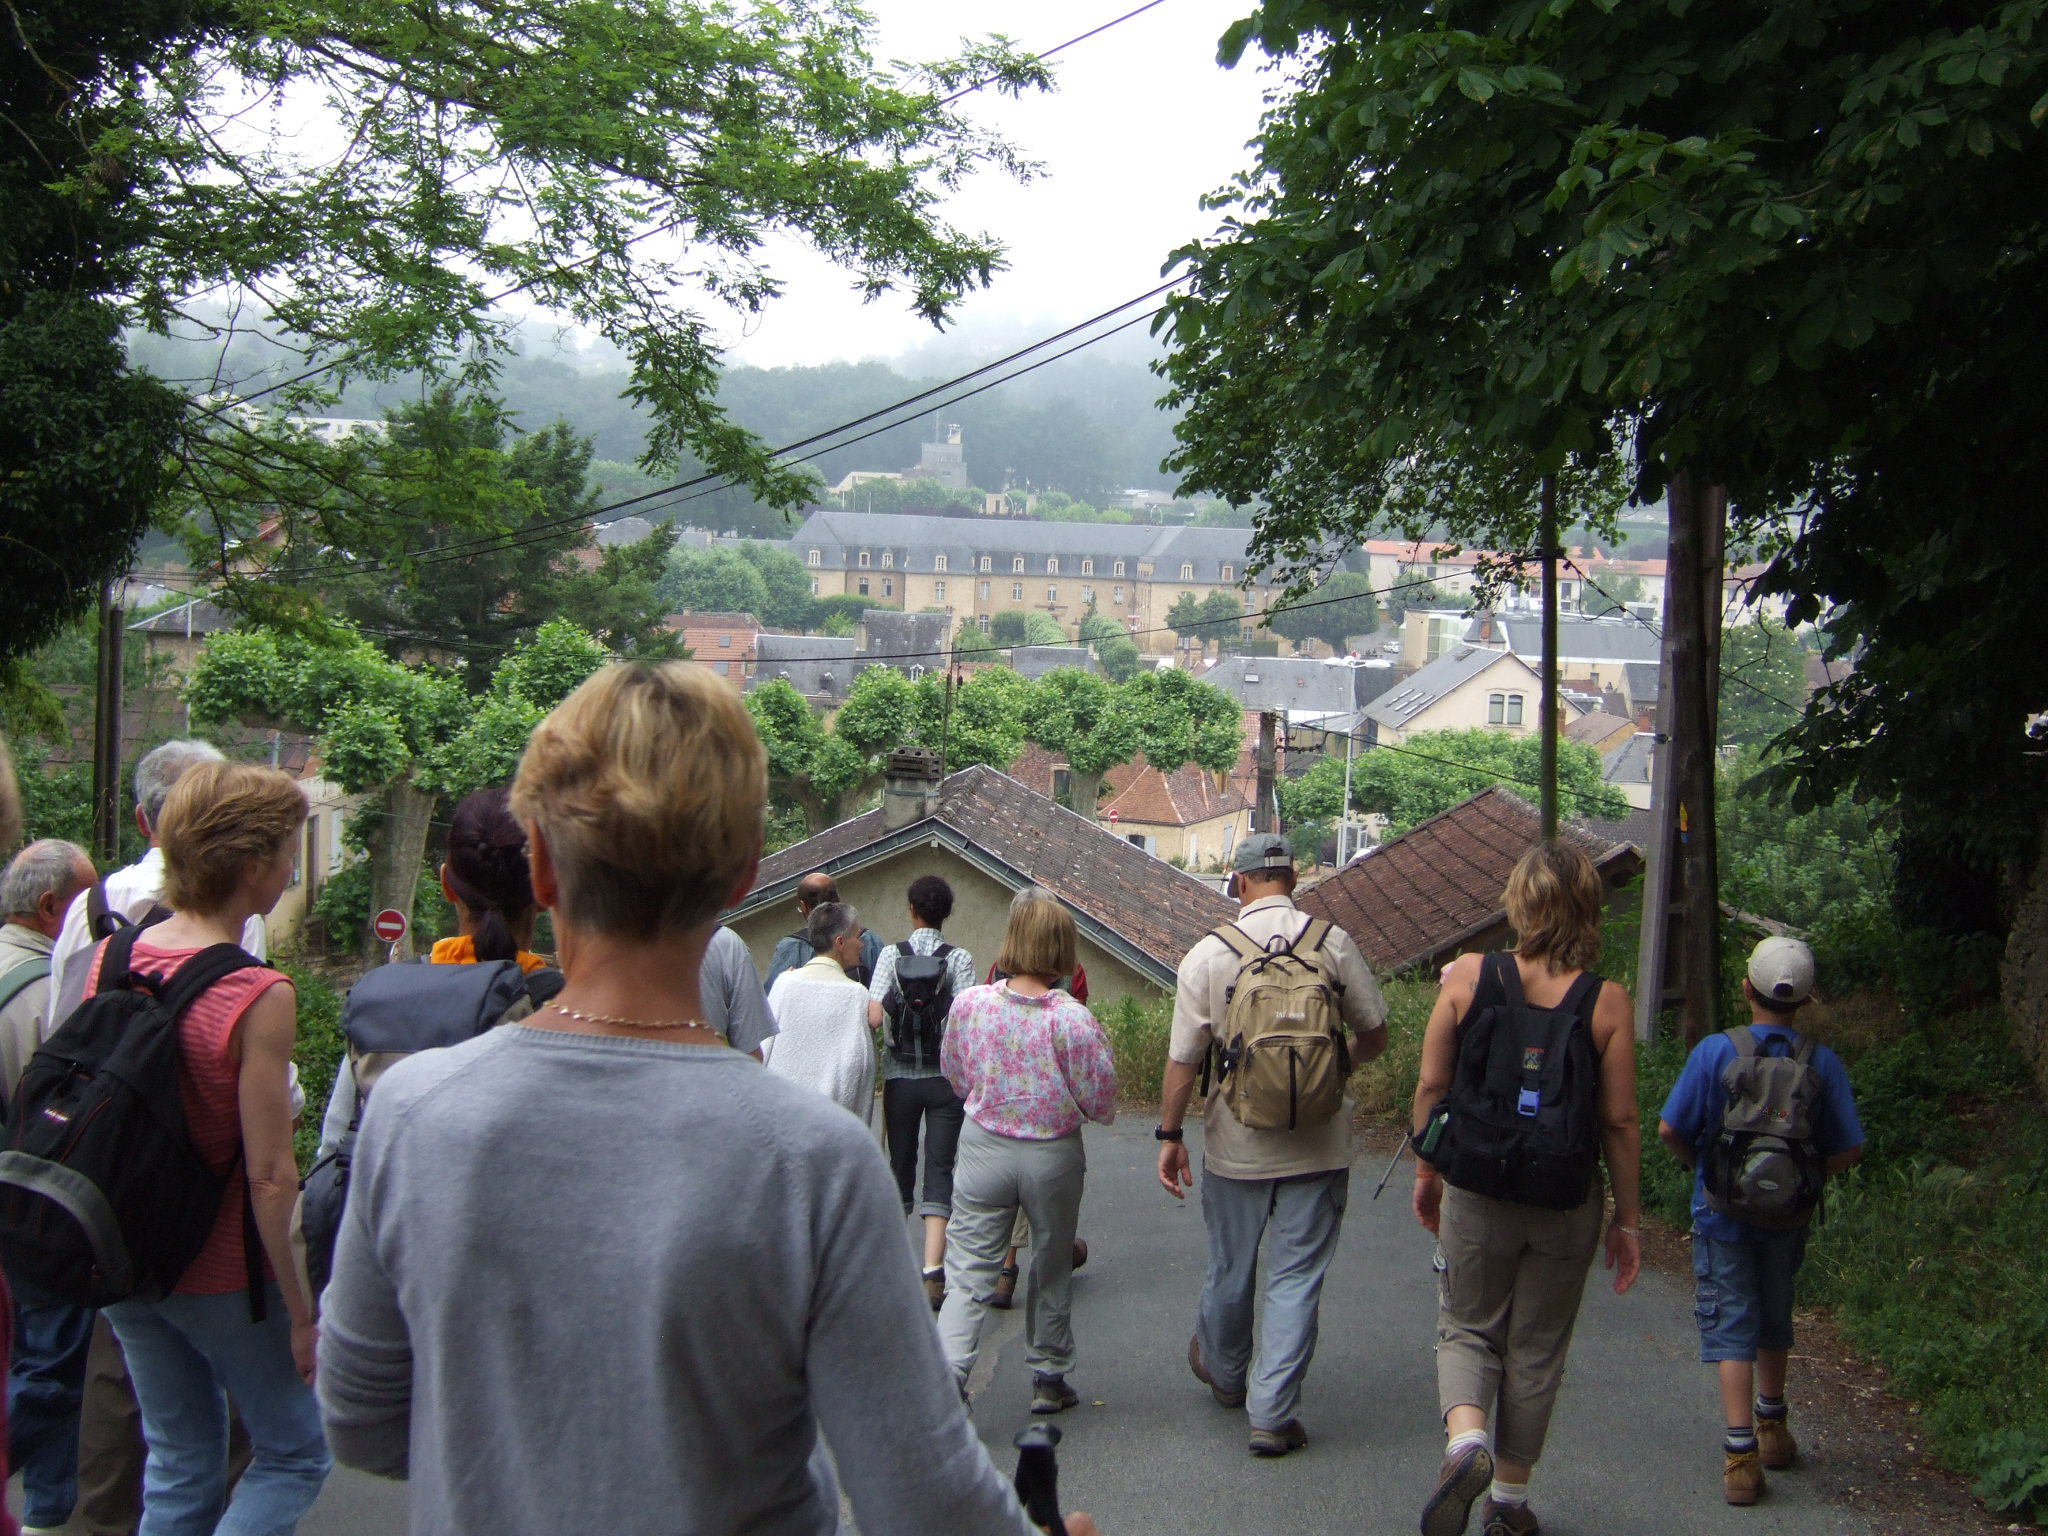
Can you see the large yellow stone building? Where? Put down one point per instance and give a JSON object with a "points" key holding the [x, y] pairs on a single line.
{"points": [[975, 568]]}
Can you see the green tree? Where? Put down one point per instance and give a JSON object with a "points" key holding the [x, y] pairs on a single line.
{"points": [[1340, 607], [1763, 682], [788, 604], [1010, 627], [844, 607], [1184, 618], [1096, 627], [1118, 655], [1613, 595], [1041, 628], [1431, 772], [1077, 714], [715, 580], [1731, 239], [404, 734], [618, 599], [970, 641], [141, 180], [1312, 803], [1222, 621]]}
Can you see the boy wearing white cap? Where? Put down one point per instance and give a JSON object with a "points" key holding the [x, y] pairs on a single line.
{"points": [[1762, 1115]]}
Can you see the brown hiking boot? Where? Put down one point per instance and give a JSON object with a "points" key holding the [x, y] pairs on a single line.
{"points": [[1459, 1482], [1775, 1445], [1742, 1482], [1507, 1519], [1224, 1398], [1278, 1442], [1004, 1296]]}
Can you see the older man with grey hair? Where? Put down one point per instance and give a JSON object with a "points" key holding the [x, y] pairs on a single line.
{"points": [[36, 890], [132, 894]]}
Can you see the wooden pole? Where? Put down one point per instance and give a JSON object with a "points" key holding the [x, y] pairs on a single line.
{"points": [[1546, 711], [106, 729], [1693, 620], [1263, 819], [1662, 880]]}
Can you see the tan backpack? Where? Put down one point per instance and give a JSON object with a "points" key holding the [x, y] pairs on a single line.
{"points": [[1281, 1054]]}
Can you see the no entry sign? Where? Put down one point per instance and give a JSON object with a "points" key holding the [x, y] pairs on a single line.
{"points": [[389, 925]]}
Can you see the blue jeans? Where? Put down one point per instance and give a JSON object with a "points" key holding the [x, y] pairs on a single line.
{"points": [[45, 1385], [1299, 1219], [1742, 1293], [186, 1355]]}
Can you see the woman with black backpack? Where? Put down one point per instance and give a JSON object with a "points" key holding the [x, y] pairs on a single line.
{"points": [[1528, 1084]]}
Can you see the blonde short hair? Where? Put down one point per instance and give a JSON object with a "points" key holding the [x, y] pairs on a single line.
{"points": [[1554, 899], [1040, 939], [219, 819], [649, 784]]}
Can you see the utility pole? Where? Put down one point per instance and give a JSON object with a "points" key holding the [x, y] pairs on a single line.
{"points": [[106, 729], [1263, 819], [1546, 711], [1681, 947]]}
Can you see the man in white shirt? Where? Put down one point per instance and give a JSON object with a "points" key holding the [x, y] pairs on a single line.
{"points": [[1287, 1187], [132, 892]]}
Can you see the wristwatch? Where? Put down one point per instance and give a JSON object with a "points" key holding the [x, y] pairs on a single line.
{"points": [[1161, 1133]]}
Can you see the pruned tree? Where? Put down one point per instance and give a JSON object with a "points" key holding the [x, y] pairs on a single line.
{"points": [[1332, 612], [1169, 717]]}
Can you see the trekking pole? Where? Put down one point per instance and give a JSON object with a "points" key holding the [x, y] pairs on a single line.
{"points": [[1392, 1163], [1038, 1477]]}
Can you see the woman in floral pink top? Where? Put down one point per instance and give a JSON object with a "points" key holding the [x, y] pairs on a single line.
{"points": [[1032, 1065]]}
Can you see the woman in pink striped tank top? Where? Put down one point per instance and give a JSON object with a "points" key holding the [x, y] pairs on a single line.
{"points": [[228, 832]]}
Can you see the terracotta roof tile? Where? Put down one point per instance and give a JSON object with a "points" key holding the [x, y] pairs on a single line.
{"points": [[1179, 799], [1418, 896]]}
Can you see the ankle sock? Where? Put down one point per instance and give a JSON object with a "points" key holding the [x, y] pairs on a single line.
{"points": [[1464, 1441], [1770, 1407], [1741, 1437], [1511, 1495]]}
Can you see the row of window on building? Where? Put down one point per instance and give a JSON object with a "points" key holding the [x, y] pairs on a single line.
{"points": [[864, 561]]}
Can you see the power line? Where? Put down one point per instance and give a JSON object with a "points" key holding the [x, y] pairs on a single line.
{"points": [[595, 517], [665, 227]]}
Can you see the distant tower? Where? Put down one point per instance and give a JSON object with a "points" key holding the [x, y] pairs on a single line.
{"points": [[944, 459]]}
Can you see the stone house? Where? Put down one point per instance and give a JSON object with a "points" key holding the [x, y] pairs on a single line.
{"points": [[1467, 689]]}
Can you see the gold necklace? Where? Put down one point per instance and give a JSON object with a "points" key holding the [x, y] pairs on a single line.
{"points": [[606, 1018]]}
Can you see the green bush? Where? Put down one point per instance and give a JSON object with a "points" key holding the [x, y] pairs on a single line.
{"points": [[344, 906], [1138, 1032], [318, 1052]]}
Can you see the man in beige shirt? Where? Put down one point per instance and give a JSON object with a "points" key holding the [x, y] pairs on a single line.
{"points": [[1286, 1186]]}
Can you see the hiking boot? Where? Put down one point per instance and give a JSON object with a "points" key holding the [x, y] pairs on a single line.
{"points": [[1004, 1296], [1223, 1398], [1775, 1445], [1080, 1251], [1506, 1519], [1278, 1442], [935, 1287], [1742, 1481], [1459, 1482], [1051, 1394]]}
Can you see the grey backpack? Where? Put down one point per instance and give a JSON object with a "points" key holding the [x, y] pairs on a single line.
{"points": [[1762, 1167]]}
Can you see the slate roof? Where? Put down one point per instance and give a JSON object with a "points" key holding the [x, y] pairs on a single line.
{"points": [[1579, 638], [918, 639], [1629, 763], [1398, 706], [1286, 683], [1034, 661], [1136, 906], [1418, 897], [1641, 680], [815, 665]]}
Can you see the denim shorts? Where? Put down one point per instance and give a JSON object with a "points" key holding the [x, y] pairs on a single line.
{"points": [[1742, 1293]]}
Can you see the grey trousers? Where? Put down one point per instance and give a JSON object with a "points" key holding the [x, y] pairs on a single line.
{"points": [[1508, 1299], [994, 1178], [1299, 1219]]}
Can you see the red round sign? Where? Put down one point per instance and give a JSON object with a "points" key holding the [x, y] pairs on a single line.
{"points": [[1112, 815], [389, 925]]}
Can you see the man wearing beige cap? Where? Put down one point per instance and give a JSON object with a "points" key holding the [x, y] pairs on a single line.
{"points": [[1274, 1167], [1762, 1115]]}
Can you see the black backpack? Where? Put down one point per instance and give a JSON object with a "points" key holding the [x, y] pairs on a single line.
{"points": [[1521, 1121], [103, 1196], [917, 1004], [393, 1012]]}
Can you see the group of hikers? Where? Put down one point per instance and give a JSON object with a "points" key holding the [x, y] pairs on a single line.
{"points": [[605, 1240]]}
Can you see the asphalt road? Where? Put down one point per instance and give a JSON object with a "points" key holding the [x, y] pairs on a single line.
{"points": [[1634, 1446]]}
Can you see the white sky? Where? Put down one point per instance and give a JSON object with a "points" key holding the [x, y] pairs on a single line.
{"points": [[1143, 122]]}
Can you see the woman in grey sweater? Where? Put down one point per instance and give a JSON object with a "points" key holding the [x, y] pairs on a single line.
{"points": [[600, 1271]]}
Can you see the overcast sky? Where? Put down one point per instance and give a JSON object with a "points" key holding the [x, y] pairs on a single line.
{"points": [[1142, 124]]}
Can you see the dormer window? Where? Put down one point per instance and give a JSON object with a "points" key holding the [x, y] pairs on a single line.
{"points": [[815, 558], [938, 562], [1187, 571], [1052, 565], [864, 559], [1016, 564], [888, 559], [1226, 573], [1119, 568], [986, 564], [1087, 567]]}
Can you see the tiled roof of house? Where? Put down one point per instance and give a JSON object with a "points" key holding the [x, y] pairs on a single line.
{"points": [[1119, 893], [1420, 895], [1596, 727], [701, 618], [1183, 798]]}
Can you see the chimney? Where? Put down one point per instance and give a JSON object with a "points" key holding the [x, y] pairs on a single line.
{"points": [[910, 787]]}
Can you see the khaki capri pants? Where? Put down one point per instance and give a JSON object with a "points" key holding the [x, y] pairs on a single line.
{"points": [[1508, 1295]]}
